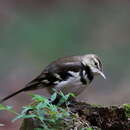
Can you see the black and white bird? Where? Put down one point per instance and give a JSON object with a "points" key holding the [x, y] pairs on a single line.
{"points": [[69, 75]]}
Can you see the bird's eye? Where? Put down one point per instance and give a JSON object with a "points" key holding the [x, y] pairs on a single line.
{"points": [[96, 64]]}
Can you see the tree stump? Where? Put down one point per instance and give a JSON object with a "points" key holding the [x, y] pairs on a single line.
{"points": [[90, 116]]}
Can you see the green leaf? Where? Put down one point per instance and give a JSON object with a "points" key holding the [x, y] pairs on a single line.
{"points": [[64, 98], [53, 97], [8, 108], [2, 107], [41, 105], [23, 117], [39, 98], [26, 109]]}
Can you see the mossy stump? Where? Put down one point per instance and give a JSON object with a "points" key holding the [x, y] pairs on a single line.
{"points": [[90, 117]]}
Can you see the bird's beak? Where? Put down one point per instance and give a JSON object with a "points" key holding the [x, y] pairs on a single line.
{"points": [[97, 71], [102, 74]]}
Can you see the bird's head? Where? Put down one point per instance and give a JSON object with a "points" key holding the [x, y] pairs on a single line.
{"points": [[94, 62]]}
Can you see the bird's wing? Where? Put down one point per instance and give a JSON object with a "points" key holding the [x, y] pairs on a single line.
{"points": [[53, 73]]}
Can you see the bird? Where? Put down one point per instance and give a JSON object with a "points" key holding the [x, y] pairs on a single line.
{"points": [[72, 74]]}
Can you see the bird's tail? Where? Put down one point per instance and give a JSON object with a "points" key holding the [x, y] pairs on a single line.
{"points": [[30, 86], [11, 95]]}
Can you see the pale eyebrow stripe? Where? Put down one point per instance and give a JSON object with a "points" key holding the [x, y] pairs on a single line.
{"points": [[99, 61]]}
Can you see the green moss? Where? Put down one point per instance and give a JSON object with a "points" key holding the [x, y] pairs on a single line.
{"points": [[127, 109], [96, 105]]}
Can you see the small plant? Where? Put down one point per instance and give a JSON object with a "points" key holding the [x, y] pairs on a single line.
{"points": [[44, 111]]}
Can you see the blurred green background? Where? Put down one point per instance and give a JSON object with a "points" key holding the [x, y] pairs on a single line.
{"points": [[34, 33]]}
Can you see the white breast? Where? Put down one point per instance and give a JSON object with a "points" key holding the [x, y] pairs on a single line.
{"points": [[71, 85]]}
